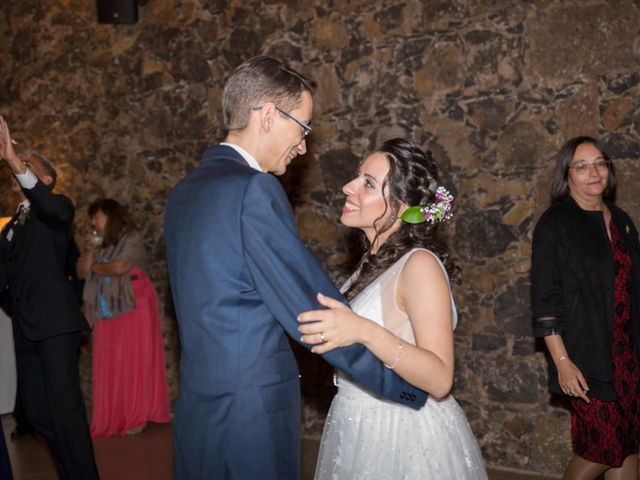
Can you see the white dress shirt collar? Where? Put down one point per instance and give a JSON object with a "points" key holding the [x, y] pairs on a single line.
{"points": [[253, 163]]}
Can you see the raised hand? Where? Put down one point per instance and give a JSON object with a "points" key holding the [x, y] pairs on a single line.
{"points": [[6, 146]]}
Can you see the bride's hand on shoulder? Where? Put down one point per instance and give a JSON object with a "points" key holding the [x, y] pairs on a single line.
{"points": [[333, 327]]}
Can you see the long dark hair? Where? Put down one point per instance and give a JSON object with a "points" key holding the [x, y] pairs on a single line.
{"points": [[413, 178], [119, 221], [560, 185]]}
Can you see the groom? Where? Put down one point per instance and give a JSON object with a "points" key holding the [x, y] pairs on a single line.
{"points": [[240, 275]]}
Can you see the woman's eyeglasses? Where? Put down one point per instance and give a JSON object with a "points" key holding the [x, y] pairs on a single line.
{"points": [[582, 167]]}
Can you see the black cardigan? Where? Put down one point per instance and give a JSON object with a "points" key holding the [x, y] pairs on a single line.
{"points": [[572, 282]]}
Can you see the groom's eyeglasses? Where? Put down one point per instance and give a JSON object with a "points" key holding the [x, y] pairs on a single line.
{"points": [[306, 128]]}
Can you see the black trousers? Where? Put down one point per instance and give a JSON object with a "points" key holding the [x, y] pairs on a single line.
{"points": [[5, 463], [22, 424], [50, 392]]}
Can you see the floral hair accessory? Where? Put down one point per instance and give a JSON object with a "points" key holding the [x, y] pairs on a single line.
{"points": [[438, 211]]}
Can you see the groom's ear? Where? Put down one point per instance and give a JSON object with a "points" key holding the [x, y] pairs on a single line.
{"points": [[267, 116]]}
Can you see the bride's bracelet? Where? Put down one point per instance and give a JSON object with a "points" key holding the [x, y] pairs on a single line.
{"points": [[398, 355]]}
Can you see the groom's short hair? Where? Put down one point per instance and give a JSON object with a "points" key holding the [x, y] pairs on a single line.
{"points": [[258, 80]]}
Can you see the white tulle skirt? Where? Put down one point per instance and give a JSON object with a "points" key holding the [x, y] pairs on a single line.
{"points": [[366, 437]]}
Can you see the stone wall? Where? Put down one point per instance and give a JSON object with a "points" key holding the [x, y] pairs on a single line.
{"points": [[492, 87]]}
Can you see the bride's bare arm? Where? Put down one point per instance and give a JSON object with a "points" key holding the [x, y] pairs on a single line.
{"points": [[423, 292]]}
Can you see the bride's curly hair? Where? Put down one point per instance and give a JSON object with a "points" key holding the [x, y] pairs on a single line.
{"points": [[413, 179]]}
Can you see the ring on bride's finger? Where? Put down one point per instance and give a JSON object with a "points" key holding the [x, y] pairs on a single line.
{"points": [[322, 337]]}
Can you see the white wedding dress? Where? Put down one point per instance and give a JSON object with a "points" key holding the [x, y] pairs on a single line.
{"points": [[367, 437]]}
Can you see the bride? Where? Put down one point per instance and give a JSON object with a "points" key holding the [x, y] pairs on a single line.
{"points": [[404, 313]]}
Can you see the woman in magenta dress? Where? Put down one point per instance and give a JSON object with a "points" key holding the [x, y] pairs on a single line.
{"points": [[129, 378], [586, 305]]}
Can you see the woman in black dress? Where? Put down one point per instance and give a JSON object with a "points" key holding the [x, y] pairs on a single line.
{"points": [[585, 300]]}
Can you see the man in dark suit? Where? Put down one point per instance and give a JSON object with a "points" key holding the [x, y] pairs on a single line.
{"points": [[47, 322], [240, 275]]}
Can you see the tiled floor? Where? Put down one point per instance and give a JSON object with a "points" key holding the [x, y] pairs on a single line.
{"points": [[145, 456]]}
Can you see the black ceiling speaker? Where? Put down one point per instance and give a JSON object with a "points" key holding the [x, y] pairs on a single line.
{"points": [[117, 11]]}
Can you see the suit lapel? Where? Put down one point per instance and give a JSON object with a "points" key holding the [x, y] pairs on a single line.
{"points": [[9, 226], [12, 231]]}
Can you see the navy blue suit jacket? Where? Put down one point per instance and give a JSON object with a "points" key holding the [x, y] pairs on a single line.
{"points": [[240, 275]]}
